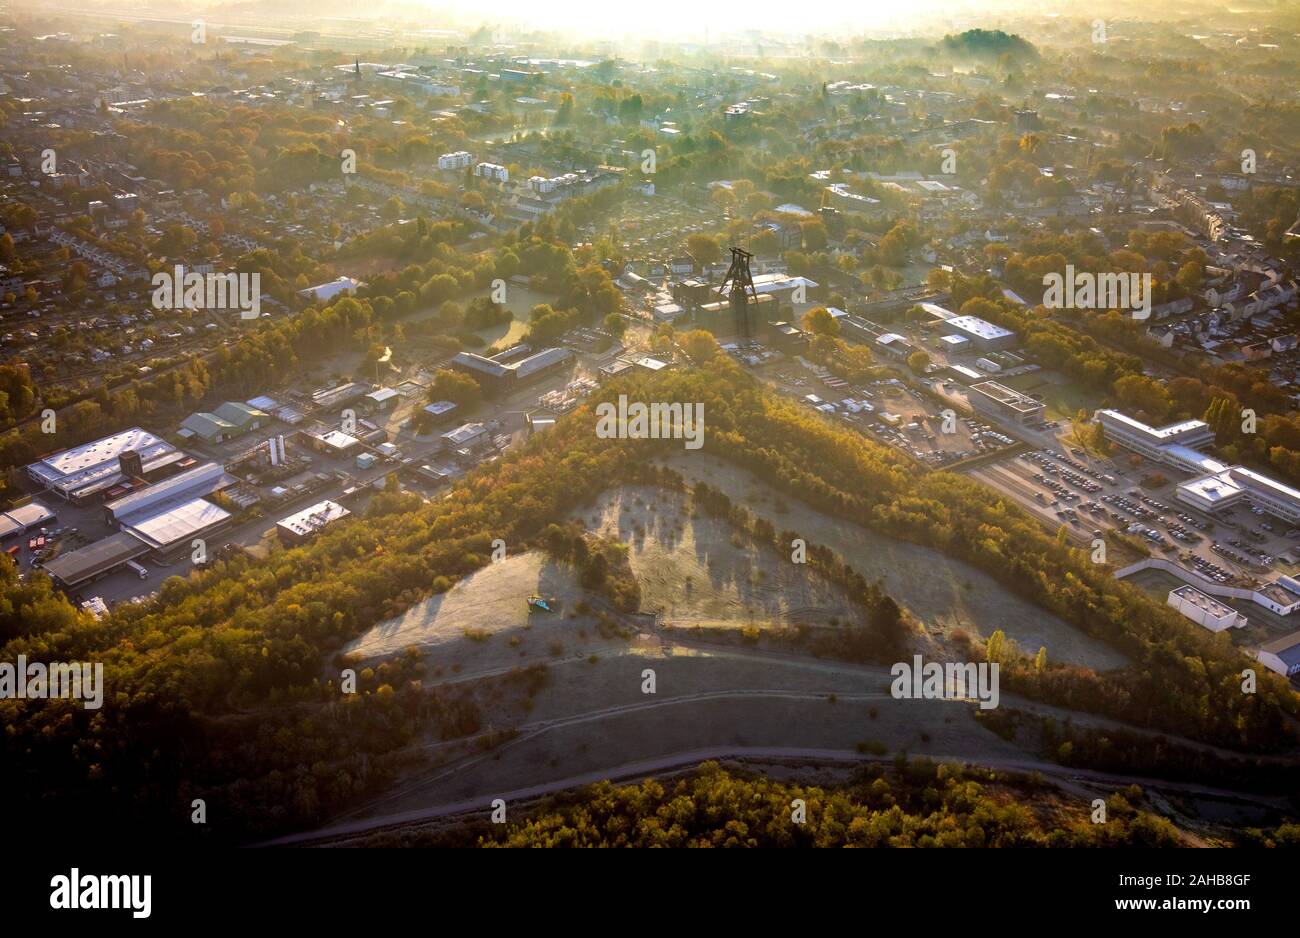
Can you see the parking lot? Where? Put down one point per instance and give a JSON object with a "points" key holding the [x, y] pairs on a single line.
{"points": [[1092, 495]]}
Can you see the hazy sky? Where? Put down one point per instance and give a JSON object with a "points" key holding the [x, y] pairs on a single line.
{"points": [[689, 19]]}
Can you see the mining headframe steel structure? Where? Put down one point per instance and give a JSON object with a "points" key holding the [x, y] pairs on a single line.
{"points": [[741, 283]]}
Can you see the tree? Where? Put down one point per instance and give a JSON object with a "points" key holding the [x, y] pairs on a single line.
{"points": [[918, 360], [819, 321], [453, 386], [700, 345], [615, 325], [704, 248], [814, 234]]}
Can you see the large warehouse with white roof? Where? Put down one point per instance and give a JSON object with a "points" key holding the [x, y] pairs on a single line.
{"points": [[80, 473]]}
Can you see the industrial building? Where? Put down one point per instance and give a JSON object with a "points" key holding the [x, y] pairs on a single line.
{"points": [[1154, 442], [172, 530], [470, 436], [309, 522], [498, 377], [382, 399], [331, 398], [198, 482], [1205, 610], [334, 442], [1215, 486], [1281, 655], [982, 334], [83, 472], [226, 422], [1003, 402], [81, 566], [24, 518], [1231, 485], [168, 516], [441, 412]]}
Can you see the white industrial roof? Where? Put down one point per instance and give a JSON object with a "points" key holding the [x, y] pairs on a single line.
{"points": [[463, 434], [178, 523], [32, 513], [314, 518], [1213, 489], [1155, 434], [979, 327], [337, 439], [107, 449]]}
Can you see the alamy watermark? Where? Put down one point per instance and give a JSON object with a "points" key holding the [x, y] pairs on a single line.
{"points": [[1075, 290], [178, 290], [655, 421], [952, 680], [57, 681], [87, 891]]}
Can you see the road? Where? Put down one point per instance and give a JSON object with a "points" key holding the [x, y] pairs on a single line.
{"points": [[1065, 778]]}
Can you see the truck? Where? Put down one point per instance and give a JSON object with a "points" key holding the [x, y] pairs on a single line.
{"points": [[139, 570]]}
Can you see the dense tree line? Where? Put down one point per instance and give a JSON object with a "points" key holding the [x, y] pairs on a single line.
{"points": [[911, 804]]}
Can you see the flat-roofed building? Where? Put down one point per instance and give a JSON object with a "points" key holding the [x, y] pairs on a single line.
{"points": [[1221, 490], [891, 343], [306, 524], [334, 442], [1205, 610], [1281, 596], [468, 436], [965, 374], [1281, 655], [1151, 441], [981, 333], [175, 490], [440, 412], [82, 472], [26, 517], [174, 528], [615, 369], [80, 566], [1005, 403]]}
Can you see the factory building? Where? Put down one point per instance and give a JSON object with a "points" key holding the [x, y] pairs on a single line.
{"points": [[1223, 489], [1153, 442], [1005, 403], [1281, 655], [1205, 610], [306, 524], [498, 377], [982, 334], [76, 567], [83, 472]]}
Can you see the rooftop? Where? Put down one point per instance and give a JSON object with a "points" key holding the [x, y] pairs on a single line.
{"points": [[103, 555], [310, 520], [1211, 605], [979, 327], [1007, 396], [177, 524], [1286, 648], [1155, 434]]}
